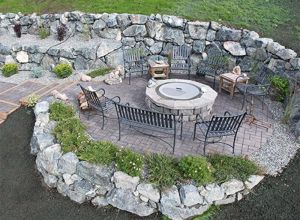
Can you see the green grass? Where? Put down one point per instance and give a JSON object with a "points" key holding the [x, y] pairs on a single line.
{"points": [[99, 72], [209, 214]]}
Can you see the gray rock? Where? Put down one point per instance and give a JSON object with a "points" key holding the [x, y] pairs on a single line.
{"points": [[149, 41], [48, 159], [286, 54], [274, 47], [83, 186], [156, 48], [226, 201], [76, 196], [247, 64], [99, 175], [261, 54], [107, 46], [215, 26], [212, 192], [135, 30], [41, 120], [54, 52], [263, 42], [190, 196], [123, 21], [198, 30], [211, 35], [31, 48], [152, 27], [128, 41], [125, 200], [41, 141], [199, 46], [22, 57], [62, 188], [253, 180], [115, 58], [234, 48], [233, 186], [50, 180], [170, 197], [110, 33], [98, 63], [173, 21], [87, 18], [138, 19], [277, 65], [74, 16], [15, 47], [124, 181], [169, 34], [149, 191], [295, 62], [26, 20], [47, 62], [67, 54], [249, 38], [100, 201], [41, 107], [110, 20], [250, 51], [87, 53], [36, 58], [67, 163], [80, 63], [98, 26], [9, 59], [228, 34]]}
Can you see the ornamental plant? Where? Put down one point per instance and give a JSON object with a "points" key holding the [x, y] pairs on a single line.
{"points": [[63, 70], [60, 111], [129, 162], [18, 30], [9, 69], [61, 32], [43, 32], [281, 86], [196, 168]]}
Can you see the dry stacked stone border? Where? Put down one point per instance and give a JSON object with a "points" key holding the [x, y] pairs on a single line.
{"points": [[82, 181], [110, 33]]}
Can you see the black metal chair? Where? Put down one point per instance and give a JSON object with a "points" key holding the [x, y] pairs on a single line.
{"points": [[100, 102], [219, 127], [180, 60], [212, 65], [134, 61], [260, 88]]}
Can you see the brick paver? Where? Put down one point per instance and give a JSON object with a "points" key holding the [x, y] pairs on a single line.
{"points": [[249, 139]]}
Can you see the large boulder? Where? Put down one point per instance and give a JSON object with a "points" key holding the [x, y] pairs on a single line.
{"points": [[234, 48], [149, 191], [124, 181], [100, 201], [138, 19], [123, 20], [170, 197], [125, 200], [169, 34], [135, 30], [199, 46], [67, 163], [228, 34], [295, 62], [190, 196], [212, 192], [153, 27], [156, 48], [41, 107], [253, 180], [233, 186], [110, 33], [107, 46], [274, 47], [80, 63], [41, 141], [98, 26], [198, 30], [173, 21], [249, 37], [286, 54], [115, 58]]}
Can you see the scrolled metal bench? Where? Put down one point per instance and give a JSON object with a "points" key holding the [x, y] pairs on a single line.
{"points": [[140, 118]]}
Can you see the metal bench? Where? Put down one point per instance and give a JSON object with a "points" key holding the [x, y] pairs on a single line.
{"points": [[140, 118]]}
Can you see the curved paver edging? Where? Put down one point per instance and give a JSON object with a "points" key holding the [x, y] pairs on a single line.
{"points": [[110, 33], [102, 185]]}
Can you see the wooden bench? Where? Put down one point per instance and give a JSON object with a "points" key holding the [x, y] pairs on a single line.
{"points": [[140, 118]]}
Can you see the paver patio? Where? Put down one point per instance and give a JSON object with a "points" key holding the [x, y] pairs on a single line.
{"points": [[249, 139]]}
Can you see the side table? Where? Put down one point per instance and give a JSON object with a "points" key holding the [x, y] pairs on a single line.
{"points": [[228, 82], [159, 69]]}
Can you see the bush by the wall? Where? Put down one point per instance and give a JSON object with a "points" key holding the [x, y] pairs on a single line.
{"points": [[61, 32], [9, 69], [59, 111], [63, 70], [281, 87], [99, 72], [37, 72], [18, 30], [43, 32]]}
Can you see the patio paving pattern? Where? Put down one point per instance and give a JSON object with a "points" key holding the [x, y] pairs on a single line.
{"points": [[250, 136]]}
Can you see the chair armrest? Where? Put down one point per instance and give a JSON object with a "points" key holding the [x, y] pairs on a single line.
{"points": [[255, 87], [180, 118], [116, 99], [237, 79], [227, 113], [199, 119], [127, 104]]}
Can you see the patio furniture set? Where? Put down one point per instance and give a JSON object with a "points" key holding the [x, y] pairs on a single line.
{"points": [[167, 121]]}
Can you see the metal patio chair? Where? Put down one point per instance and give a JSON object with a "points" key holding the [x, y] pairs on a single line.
{"points": [[219, 127], [180, 59], [100, 103]]}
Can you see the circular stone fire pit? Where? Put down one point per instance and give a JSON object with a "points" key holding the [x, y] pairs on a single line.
{"points": [[180, 96]]}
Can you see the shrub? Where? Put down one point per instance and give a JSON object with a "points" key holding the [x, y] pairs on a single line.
{"points": [[227, 167], [37, 72], [196, 168], [60, 111], [63, 70], [61, 32], [209, 214], [9, 69], [18, 30], [70, 133], [129, 162], [32, 100], [281, 87], [162, 170], [100, 152], [99, 72], [43, 32]]}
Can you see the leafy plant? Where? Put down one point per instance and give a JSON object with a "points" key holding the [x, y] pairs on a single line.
{"points": [[196, 168], [227, 167], [99, 72], [43, 32], [100, 152], [63, 70], [60, 111], [18, 30], [208, 214], [61, 32], [162, 170], [32, 100], [281, 86], [9, 69], [129, 162], [37, 72]]}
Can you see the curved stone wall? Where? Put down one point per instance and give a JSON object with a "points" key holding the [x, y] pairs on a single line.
{"points": [[103, 185], [97, 40]]}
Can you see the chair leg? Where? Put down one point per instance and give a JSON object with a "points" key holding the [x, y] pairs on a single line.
{"points": [[181, 131], [102, 121], [244, 99], [119, 130], [204, 149], [174, 142], [233, 143], [194, 135]]}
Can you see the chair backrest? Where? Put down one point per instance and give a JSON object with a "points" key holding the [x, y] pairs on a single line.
{"points": [[264, 75], [141, 116], [133, 55], [181, 53], [92, 98], [225, 124]]}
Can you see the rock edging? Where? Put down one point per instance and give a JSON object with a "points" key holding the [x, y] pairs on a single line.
{"points": [[103, 185]]}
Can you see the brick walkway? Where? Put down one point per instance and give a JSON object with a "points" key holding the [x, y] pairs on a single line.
{"points": [[249, 139]]}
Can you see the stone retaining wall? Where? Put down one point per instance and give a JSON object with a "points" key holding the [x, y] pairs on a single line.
{"points": [[97, 40], [103, 185]]}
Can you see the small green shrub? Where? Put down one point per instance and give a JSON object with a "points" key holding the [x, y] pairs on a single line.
{"points": [[99, 72], [100, 152], [208, 214], [162, 170], [9, 69], [129, 162], [281, 87], [37, 72], [86, 32], [196, 168], [63, 70], [60, 111], [32, 100], [43, 32], [70, 133], [227, 167]]}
